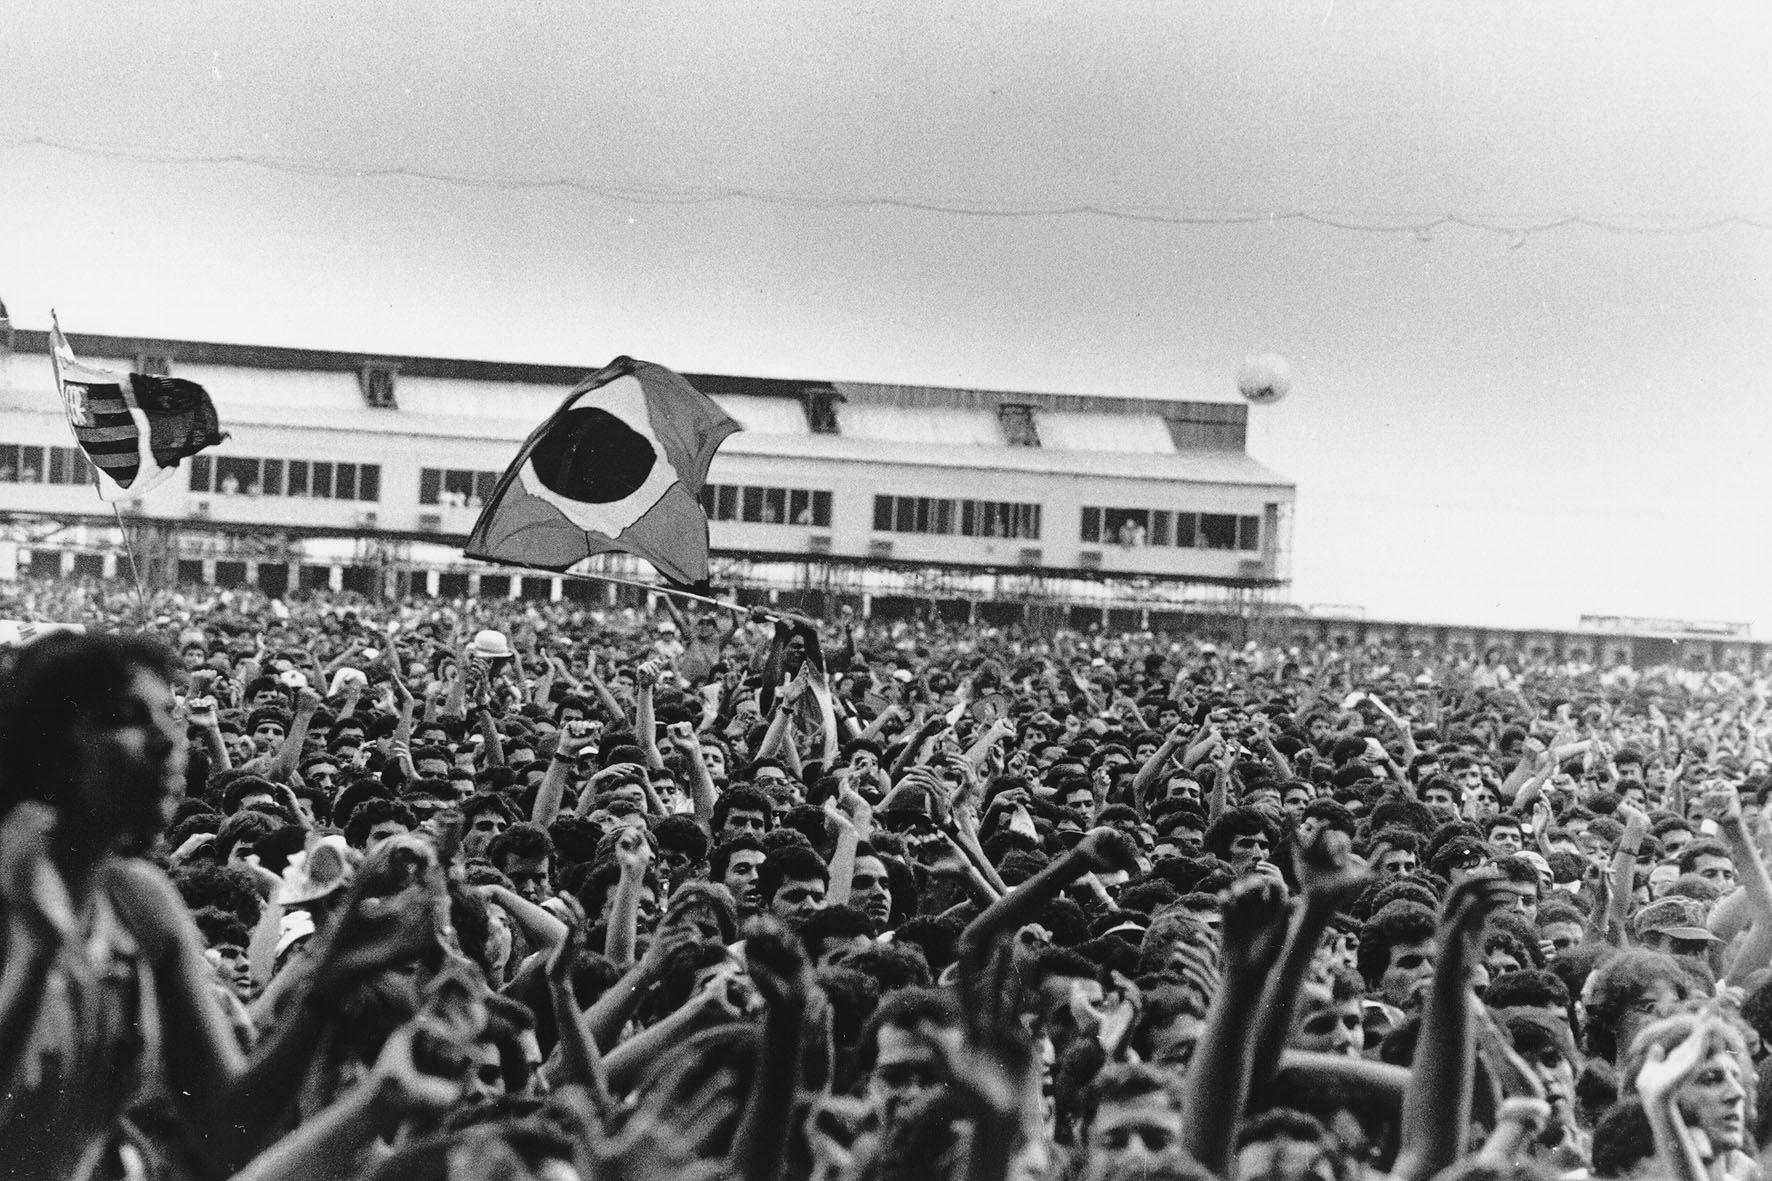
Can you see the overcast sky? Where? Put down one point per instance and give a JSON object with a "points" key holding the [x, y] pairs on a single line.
{"points": [[1485, 427]]}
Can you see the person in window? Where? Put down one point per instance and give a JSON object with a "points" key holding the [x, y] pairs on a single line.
{"points": [[771, 515], [230, 485]]}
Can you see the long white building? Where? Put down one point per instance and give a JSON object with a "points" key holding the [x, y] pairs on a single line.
{"points": [[827, 475]]}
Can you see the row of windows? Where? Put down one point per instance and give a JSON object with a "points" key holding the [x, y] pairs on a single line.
{"points": [[43, 465], [767, 506], [966, 518], [456, 487], [1134, 527], [235, 475]]}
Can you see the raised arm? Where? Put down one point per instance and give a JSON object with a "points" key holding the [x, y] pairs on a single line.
{"points": [[307, 702], [1437, 1107], [1102, 848], [575, 738], [1755, 949], [783, 977], [1328, 875], [645, 723], [633, 855], [1216, 1087]]}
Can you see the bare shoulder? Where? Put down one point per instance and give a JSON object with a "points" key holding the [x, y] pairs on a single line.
{"points": [[148, 904]]}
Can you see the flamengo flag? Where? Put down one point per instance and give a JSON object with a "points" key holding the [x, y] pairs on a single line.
{"points": [[619, 466], [133, 427]]}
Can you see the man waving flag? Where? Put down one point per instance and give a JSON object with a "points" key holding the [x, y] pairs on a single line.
{"points": [[134, 427], [619, 466]]}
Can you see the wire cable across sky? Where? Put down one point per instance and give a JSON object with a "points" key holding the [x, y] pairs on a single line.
{"points": [[1515, 229]]}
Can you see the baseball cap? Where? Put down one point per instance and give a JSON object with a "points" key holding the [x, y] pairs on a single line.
{"points": [[1677, 918]]}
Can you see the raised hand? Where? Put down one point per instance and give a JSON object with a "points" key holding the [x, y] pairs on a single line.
{"points": [[399, 1083], [1254, 911], [1665, 1071], [1108, 849], [1328, 869], [1722, 805], [777, 963], [578, 737], [632, 852]]}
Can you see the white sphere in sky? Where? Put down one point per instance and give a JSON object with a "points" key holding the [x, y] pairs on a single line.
{"points": [[1264, 379]]}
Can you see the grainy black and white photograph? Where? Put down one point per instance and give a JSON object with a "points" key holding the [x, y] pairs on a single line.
{"points": [[1166, 590]]}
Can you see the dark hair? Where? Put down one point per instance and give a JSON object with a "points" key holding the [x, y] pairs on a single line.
{"points": [[372, 812], [683, 835], [905, 1009], [522, 839], [1703, 847], [721, 857], [242, 786], [795, 863], [1623, 1140], [743, 797], [1533, 987], [1237, 822], [1118, 1082], [1615, 984], [1399, 922], [54, 685]]}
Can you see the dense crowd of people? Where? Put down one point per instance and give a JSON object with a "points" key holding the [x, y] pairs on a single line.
{"points": [[327, 888]]}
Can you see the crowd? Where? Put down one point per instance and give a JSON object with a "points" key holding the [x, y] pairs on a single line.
{"points": [[332, 889]]}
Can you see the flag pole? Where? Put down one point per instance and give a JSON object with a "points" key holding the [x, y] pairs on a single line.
{"points": [[735, 608], [55, 365]]}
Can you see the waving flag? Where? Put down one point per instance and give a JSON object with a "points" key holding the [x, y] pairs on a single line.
{"points": [[619, 466], [134, 427]]}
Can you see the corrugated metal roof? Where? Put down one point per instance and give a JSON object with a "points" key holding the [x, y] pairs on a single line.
{"points": [[1210, 467], [766, 416], [921, 426], [1123, 434]]}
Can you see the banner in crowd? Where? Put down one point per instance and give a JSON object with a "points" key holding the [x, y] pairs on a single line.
{"points": [[618, 467], [134, 427]]}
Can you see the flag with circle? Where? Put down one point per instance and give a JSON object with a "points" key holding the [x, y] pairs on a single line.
{"points": [[618, 467]]}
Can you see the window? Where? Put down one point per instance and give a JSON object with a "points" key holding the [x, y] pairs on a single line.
{"points": [[299, 472], [1164, 527], [1129, 527], [68, 465], [202, 473], [446, 486], [1017, 420], [153, 364], [965, 518], [821, 410], [320, 484], [767, 506], [1218, 531], [272, 478], [775, 506], [378, 387], [1249, 533], [344, 481], [236, 475]]}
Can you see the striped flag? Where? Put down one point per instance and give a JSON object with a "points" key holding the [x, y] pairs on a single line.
{"points": [[134, 427]]}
